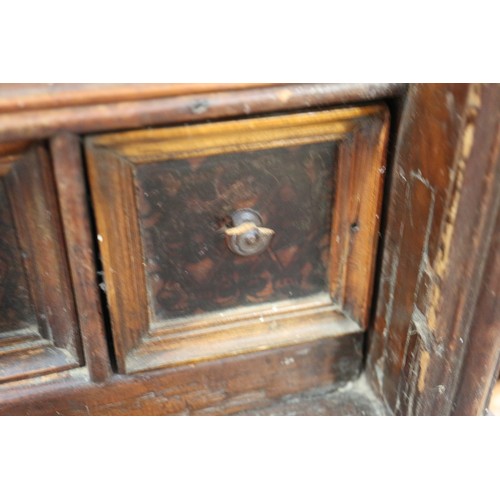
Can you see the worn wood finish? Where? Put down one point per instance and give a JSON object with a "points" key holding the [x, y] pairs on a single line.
{"points": [[189, 269], [354, 399], [21, 97], [79, 237], [433, 348], [482, 359], [356, 217], [17, 308], [39, 331], [151, 219], [186, 108], [220, 387], [444, 198]]}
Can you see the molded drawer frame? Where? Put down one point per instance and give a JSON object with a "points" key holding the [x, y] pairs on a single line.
{"points": [[361, 134]]}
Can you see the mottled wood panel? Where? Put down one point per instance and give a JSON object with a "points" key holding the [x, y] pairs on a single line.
{"points": [[16, 308], [184, 204]]}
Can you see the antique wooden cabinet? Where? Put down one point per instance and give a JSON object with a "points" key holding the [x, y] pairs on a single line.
{"points": [[249, 248]]}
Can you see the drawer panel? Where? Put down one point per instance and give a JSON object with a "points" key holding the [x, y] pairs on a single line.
{"points": [[38, 326], [230, 237], [184, 205]]}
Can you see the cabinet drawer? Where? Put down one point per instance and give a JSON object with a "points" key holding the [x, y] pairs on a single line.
{"points": [[38, 326], [224, 238]]}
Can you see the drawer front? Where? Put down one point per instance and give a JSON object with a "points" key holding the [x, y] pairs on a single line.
{"points": [[224, 238], [184, 206], [38, 327]]}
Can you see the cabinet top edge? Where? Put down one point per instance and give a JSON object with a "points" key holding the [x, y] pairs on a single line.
{"points": [[32, 96], [135, 111], [19, 97]]}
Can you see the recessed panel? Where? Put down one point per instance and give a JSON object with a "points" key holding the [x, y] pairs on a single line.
{"points": [[224, 238], [38, 326], [185, 205], [16, 310]]}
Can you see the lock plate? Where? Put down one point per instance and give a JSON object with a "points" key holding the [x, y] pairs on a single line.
{"points": [[248, 237]]}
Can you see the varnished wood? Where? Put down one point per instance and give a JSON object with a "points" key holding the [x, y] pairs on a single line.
{"points": [[120, 164], [146, 146], [186, 109], [445, 194], [356, 217], [291, 187], [355, 399], [481, 363], [21, 97], [32, 360], [119, 242], [79, 237], [220, 387], [45, 337], [434, 343], [17, 308], [12, 148], [239, 337]]}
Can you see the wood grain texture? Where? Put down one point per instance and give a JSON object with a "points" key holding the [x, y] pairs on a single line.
{"points": [[355, 399], [220, 387], [443, 204], [33, 359], [356, 216], [186, 108], [50, 341], [21, 97], [242, 382], [481, 363], [115, 206], [80, 242], [176, 293]]}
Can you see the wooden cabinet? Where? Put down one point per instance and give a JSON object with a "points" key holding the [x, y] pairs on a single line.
{"points": [[220, 249], [38, 323]]}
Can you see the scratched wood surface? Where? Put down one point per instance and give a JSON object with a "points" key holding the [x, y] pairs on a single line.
{"points": [[39, 329], [17, 97], [443, 201], [161, 197], [355, 399], [16, 308], [481, 363], [183, 205], [223, 386], [79, 234], [138, 112]]}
